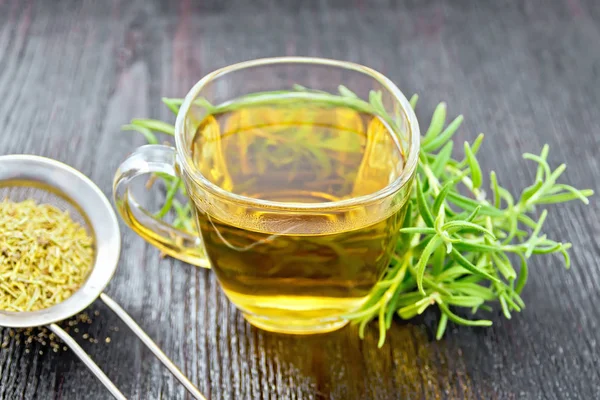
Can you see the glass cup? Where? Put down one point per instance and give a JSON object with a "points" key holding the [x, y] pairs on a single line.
{"points": [[290, 263]]}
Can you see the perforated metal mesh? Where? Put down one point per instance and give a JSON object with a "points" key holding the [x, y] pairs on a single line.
{"points": [[46, 181], [18, 191]]}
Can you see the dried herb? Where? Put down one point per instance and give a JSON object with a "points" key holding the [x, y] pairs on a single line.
{"points": [[78, 325], [457, 248], [45, 256]]}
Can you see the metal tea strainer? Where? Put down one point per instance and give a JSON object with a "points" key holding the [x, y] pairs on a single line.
{"points": [[48, 181]]}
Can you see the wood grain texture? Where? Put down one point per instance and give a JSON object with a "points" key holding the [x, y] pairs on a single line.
{"points": [[527, 73]]}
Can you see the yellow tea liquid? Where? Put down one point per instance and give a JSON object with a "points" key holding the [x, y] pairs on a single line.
{"points": [[294, 270]]}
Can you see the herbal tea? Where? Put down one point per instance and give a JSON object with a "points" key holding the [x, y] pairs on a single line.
{"points": [[293, 270]]}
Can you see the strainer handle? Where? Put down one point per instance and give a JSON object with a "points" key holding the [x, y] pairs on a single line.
{"points": [[146, 160], [117, 309], [83, 356]]}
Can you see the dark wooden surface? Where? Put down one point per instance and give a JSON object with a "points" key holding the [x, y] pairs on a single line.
{"points": [[525, 72]]}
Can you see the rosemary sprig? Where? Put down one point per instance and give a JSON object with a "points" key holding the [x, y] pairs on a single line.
{"points": [[457, 249]]}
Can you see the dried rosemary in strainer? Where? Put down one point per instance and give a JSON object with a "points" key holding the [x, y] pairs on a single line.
{"points": [[45, 256]]}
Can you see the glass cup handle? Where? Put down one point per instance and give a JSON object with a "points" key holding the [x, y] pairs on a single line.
{"points": [[172, 241]]}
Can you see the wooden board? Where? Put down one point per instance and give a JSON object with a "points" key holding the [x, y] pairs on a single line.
{"points": [[526, 73]]}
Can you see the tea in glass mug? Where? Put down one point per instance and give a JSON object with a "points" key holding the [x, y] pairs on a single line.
{"points": [[298, 171]]}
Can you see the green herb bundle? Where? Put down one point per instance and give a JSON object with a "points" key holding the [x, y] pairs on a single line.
{"points": [[458, 246]]}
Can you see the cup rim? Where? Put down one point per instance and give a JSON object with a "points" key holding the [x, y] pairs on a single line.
{"points": [[192, 171]]}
